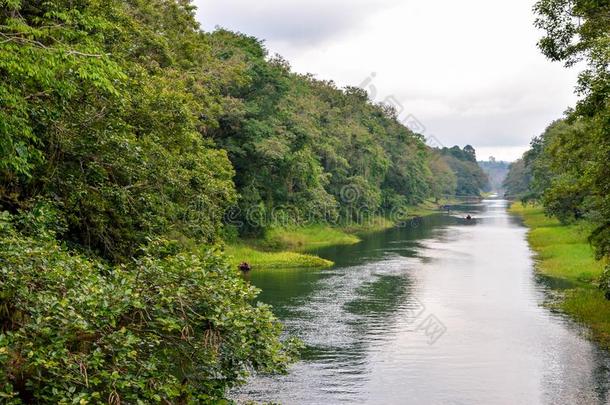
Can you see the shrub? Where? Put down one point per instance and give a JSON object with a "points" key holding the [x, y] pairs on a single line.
{"points": [[177, 329]]}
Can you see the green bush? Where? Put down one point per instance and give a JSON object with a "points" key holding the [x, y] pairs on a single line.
{"points": [[177, 329]]}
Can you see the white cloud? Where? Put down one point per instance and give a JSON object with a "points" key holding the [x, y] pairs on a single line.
{"points": [[299, 23], [469, 70]]}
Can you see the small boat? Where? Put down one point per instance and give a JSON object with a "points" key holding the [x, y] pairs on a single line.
{"points": [[468, 217]]}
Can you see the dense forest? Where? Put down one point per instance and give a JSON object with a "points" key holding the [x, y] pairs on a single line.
{"points": [[129, 139], [470, 178], [567, 167], [305, 150]]}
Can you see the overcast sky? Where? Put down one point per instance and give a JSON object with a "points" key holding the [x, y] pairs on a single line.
{"points": [[465, 72]]}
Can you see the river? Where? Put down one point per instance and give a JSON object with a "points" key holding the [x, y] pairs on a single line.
{"points": [[439, 311]]}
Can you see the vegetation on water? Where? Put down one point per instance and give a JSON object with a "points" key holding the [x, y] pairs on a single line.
{"points": [[261, 259], [563, 252], [284, 247], [131, 145], [566, 169]]}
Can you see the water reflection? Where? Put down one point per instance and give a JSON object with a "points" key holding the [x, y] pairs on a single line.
{"points": [[364, 345]]}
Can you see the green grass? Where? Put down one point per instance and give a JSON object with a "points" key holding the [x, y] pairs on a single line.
{"points": [[427, 208], [260, 260], [564, 253], [589, 307], [371, 225], [283, 248], [306, 238]]}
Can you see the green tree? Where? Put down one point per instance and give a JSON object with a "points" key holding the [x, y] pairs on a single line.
{"points": [[471, 179], [104, 117], [580, 31], [110, 190], [300, 143], [444, 180]]}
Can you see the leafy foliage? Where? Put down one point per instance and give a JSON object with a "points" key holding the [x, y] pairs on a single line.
{"points": [[445, 180], [567, 166], [174, 329], [298, 143], [517, 181], [470, 177], [103, 120], [577, 30], [107, 123]]}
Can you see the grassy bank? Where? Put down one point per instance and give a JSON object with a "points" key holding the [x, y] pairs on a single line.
{"points": [[287, 247], [429, 207], [307, 237], [259, 259], [563, 253]]}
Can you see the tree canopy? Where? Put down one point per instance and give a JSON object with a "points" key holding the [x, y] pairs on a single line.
{"points": [[567, 166]]}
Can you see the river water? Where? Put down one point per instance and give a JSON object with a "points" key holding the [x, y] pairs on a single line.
{"points": [[439, 311]]}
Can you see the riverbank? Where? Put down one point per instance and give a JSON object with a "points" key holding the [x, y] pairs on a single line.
{"points": [[564, 254], [289, 247]]}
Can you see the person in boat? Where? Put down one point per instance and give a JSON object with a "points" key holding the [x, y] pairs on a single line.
{"points": [[244, 266]]}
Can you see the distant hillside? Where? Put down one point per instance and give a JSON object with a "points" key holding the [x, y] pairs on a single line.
{"points": [[496, 171]]}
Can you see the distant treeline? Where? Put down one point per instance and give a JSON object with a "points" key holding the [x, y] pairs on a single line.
{"points": [[126, 135], [496, 171]]}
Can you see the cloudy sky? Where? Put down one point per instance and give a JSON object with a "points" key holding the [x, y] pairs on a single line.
{"points": [[464, 72]]}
